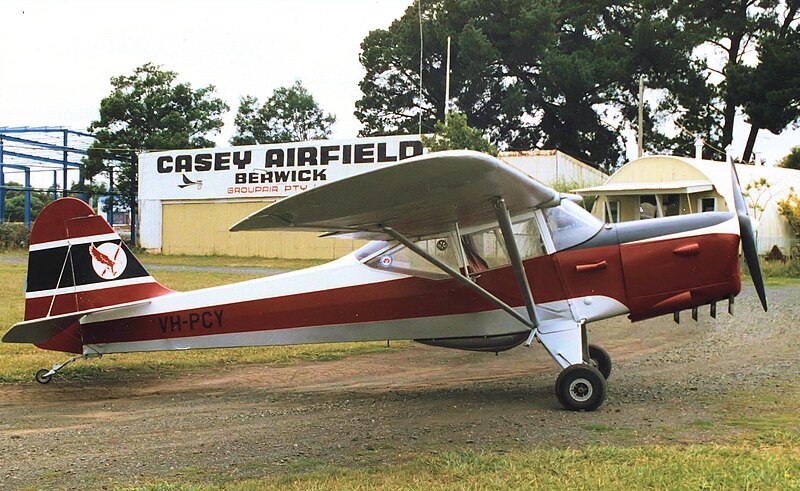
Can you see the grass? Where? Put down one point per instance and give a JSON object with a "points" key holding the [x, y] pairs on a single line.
{"points": [[595, 468], [227, 261], [18, 362]]}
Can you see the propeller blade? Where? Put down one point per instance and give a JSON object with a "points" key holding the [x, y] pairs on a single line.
{"points": [[748, 237]]}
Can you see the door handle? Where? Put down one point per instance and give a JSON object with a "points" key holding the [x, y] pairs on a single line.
{"points": [[583, 268], [692, 249]]}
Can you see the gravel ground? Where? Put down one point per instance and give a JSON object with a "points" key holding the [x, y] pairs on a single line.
{"points": [[671, 383]]}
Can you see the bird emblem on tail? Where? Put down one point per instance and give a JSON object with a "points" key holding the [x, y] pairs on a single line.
{"points": [[107, 261]]}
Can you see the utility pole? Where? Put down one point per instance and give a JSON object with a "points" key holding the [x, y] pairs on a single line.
{"points": [[641, 115], [447, 83]]}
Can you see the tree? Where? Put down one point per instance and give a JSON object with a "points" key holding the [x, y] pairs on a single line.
{"points": [[149, 110], [732, 29], [15, 202], [792, 159], [290, 114], [529, 74], [456, 134], [770, 91]]}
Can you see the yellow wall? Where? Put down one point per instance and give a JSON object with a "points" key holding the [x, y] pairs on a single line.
{"points": [[201, 228]]}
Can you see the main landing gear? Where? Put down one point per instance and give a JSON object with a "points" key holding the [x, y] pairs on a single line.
{"points": [[44, 376], [581, 387]]}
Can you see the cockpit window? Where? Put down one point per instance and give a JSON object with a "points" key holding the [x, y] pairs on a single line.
{"points": [[570, 224], [402, 260], [482, 250]]}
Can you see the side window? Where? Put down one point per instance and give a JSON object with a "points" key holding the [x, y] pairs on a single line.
{"points": [[529, 239], [402, 260], [486, 249]]}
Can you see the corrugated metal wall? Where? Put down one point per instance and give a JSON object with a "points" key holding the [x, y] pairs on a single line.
{"points": [[201, 228]]}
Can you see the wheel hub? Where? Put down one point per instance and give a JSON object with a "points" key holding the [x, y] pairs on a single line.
{"points": [[581, 389]]}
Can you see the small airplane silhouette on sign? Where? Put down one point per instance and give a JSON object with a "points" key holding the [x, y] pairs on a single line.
{"points": [[467, 252], [188, 182]]}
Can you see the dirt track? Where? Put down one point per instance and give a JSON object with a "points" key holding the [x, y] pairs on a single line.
{"points": [[380, 408]]}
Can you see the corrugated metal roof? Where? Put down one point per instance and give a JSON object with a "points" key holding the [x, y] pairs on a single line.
{"points": [[623, 188]]}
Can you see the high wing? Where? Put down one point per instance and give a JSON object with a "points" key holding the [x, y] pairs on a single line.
{"points": [[417, 197]]}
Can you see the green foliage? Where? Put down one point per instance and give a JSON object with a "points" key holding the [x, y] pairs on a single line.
{"points": [[770, 91], [456, 134], [149, 110], [533, 74], [15, 203], [290, 114], [792, 159], [13, 236], [730, 29], [789, 208], [528, 74], [91, 191], [566, 186]]}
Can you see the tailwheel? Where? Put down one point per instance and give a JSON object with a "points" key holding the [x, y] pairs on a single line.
{"points": [[598, 358], [43, 376], [581, 387]]}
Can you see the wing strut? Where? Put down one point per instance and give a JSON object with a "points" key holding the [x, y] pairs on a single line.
{"points": [[504, 219], [456, 275]]}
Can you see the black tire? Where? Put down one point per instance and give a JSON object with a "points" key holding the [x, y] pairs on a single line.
{"points": [[581, 388], [598, 358], [42, 377]]}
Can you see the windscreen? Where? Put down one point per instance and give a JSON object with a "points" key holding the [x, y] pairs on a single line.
{"points": [[570, 224]]}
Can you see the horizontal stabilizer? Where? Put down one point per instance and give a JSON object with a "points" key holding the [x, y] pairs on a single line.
{"points": [[39, 331], [420, 196]]}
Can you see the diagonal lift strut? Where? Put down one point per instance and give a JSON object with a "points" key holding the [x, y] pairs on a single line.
{"points": [[504, 219]]}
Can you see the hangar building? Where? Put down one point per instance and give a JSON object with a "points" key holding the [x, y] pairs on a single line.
{"points": [[188, 199], [662, 185]]}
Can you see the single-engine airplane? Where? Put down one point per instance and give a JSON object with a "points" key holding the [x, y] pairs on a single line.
{"points": [[467, 252]]}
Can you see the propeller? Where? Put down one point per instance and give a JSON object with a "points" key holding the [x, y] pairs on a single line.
{"points": [[748, 236]]}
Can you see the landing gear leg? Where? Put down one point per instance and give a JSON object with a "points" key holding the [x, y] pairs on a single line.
{"points": [[580, 386], [44, 375]]}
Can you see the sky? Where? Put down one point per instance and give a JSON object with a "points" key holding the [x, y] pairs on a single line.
{"points": [[58, 56]]}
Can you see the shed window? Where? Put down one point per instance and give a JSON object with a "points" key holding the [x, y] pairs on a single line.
{"points": [[707, 204], [612, 212], [647, 207]]}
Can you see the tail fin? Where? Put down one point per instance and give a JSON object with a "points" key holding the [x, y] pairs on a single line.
{"points": [[76, 262]]}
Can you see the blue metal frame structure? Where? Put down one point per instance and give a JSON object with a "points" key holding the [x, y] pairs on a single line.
{"points": [[22, 159]]}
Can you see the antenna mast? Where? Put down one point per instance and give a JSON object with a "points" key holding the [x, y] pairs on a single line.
{"points": [[447, 83], [419, 10]]}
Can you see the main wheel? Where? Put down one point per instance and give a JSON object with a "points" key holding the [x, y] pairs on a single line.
{"points": [[581, 387], [598, 358], [42, 377]]}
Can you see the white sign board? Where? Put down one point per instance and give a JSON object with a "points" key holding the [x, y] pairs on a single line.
{"points": [[265, 171]]}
